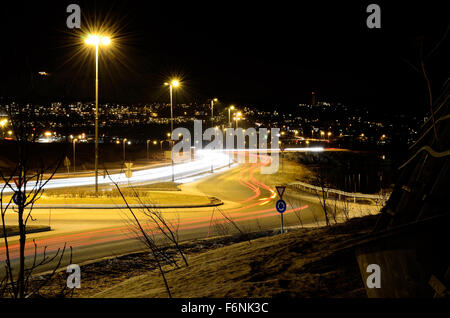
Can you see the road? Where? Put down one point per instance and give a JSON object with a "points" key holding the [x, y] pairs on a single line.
{"points": [[96, 234], [204, 161]]}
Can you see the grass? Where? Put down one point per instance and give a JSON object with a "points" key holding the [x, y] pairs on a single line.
{"points": [[150, 198], [165, 193], [288, 171]]}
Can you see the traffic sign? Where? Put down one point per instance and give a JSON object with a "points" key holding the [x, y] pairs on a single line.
{"points": [[281, 206], [280, 190], [16, 181], [19, 198], [128, 172]]}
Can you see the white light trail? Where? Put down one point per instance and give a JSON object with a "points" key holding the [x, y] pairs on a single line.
{"points": [[182, 171]]}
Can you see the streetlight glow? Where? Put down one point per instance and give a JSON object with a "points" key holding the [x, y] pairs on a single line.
{"points": [[95, 39], [106, 40]]}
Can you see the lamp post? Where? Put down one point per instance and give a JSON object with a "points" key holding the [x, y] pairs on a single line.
{"points": [[212, 110], [96, 40], [172, 84], [148, 140], [229, 114], [237, 117], [74, 141], [3, 122], [124, 141]]}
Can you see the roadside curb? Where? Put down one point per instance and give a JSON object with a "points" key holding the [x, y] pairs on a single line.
{"points": [[28, 231], [213, 202]]}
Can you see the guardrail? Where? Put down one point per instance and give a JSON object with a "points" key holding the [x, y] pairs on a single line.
{"points": [[381, 198]]}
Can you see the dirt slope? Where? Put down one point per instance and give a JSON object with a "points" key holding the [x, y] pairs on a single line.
{"points": [[302, 263]]}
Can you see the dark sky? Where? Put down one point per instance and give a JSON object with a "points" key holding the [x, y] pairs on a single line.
{"points": [[267, 54]]}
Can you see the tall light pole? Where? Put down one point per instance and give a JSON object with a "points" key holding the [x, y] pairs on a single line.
{"points": [[237, 118], [172, 84], [74, 141], [229, 115], [124, 141], [148, 140], [96, 40], [3, 122], [212, 110]]}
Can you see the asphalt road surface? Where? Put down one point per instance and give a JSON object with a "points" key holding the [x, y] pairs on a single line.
{"points": [[102, 233]]}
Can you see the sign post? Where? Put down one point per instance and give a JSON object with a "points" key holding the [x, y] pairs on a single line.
{"points": [[281, 204], [67, 164]]}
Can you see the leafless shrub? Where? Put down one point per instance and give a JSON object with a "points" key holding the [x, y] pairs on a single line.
{"points": [[32, 175], [322, 195], [221, 228], [156, 224]]}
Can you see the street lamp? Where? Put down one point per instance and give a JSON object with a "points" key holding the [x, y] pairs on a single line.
{"points": [[237, 118], [96, 40], [148, 140], [74, 143], [124, 141], [322, 133], [229, 114], [172, 84], [212, 110]]}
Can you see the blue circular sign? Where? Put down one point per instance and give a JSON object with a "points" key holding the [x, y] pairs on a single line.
{"points": [[281, 206], [19, 198]]}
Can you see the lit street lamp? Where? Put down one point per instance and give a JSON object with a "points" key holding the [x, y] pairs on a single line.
{"points": [[124, 141], [74, 141], [148, 140], [229, 114], [212, 110], [3, 123], [96, 40], [172, 84], [237, 117]]}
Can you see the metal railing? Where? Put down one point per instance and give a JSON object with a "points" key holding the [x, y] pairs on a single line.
{"points": [[379, 198]]}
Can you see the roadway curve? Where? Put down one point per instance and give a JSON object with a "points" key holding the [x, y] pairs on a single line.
{"points": [[97, 234]]}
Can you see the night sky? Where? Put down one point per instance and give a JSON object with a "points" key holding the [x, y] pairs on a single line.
{"points": [[266, 54]]}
